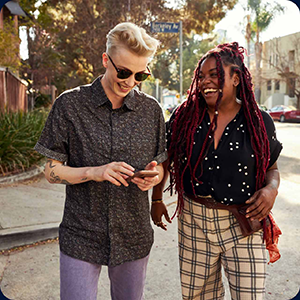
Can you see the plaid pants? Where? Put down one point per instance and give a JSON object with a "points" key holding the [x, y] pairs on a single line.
{"points": [[210, 239]]}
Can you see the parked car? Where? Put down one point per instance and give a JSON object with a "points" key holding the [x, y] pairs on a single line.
{"points": [[284, 113]]}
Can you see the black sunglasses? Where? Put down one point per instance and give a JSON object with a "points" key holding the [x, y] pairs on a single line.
{"points": [[123, 73]]}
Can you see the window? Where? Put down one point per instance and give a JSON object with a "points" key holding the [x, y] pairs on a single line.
{"points": [[291, 55], [277, 85], [269, 85]]}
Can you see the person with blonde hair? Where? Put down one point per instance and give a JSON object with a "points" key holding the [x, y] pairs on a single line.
{"points": [[96, 137]]}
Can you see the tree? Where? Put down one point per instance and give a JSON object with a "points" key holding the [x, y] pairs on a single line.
{"points": [[167, 64], [263, 16], [9, 46], [74, 33], [44, 59]]}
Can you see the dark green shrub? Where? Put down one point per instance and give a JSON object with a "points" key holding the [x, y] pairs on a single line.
{"points": [[19, 133], [42, 100]]}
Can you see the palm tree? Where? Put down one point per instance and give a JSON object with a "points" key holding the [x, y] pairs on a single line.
{"points": [[249, 34], [263, 16]]}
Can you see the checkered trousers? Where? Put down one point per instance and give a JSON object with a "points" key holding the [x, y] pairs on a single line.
{"points": [[210, 239]]}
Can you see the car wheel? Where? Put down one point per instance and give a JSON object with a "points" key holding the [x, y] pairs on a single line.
{"points": [[282, 118]]}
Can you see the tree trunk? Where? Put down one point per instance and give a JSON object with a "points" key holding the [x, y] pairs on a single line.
{"points": [[248, 38]]}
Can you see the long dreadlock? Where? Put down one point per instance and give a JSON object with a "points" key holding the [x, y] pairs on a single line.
{"points": [[191, 113]]}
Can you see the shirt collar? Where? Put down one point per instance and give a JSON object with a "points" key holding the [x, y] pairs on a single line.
{"points": [[99, 97]]}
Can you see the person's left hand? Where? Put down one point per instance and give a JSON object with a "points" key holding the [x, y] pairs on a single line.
{"points": [[261, 202], [147, 183]]}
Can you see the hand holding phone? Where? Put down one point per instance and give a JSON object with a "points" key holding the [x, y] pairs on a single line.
{"points": [[145, 173]]}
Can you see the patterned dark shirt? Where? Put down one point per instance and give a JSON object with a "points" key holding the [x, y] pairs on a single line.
{"points": [[228, 171], [103, 223]]}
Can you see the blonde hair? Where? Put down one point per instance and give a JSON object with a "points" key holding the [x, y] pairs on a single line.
{"points": [[133, 37]]}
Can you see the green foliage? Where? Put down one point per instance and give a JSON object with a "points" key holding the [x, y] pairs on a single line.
{"points": [[42, 100], [68, 37], [19, 133], [9, 46], [166, 64], [264, 13]]}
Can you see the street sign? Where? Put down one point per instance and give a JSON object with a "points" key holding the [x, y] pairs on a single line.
{"points": [[165, 27]]}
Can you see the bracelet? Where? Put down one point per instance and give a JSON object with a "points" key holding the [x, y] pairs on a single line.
{"points": [[157, 200]]}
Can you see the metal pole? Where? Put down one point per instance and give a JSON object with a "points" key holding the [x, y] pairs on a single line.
{"points": [[180, 65], [157, 88]]}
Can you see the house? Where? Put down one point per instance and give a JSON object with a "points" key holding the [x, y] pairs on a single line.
{"points": [[11, 8], [281, 71]]}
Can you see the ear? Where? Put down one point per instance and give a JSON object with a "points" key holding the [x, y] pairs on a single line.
{"points": [[104, 60], [236, 79]]}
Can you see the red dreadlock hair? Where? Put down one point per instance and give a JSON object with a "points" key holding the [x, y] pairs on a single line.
{"points": [[191, 113]]}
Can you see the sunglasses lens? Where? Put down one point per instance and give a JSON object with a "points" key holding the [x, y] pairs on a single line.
{"points": [[141, 76], [123, 74]]}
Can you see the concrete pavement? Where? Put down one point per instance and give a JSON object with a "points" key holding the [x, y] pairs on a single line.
{"points": [[31, 211]]}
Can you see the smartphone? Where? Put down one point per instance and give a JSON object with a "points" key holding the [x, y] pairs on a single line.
{"points": [[145, 173]]}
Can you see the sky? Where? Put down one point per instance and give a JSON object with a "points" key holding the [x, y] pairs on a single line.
{"points": [[234, 23], [284, 24]]}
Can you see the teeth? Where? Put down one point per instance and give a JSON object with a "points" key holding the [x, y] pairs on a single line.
{"points": [[209, 90]]}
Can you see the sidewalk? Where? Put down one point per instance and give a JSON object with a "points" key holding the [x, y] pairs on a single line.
{"points": [[31, 211]]}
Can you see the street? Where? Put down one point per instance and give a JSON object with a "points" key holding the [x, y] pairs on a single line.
{"points": [[33, 273], [283, 277]]}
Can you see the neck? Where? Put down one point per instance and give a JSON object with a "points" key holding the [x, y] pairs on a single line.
{"points": [[224, 109]]}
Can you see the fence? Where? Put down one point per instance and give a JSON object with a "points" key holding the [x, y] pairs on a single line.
{"points": [[13, 95]]}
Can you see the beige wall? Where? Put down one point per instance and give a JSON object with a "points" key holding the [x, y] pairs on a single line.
{"points": [[277, 58]]}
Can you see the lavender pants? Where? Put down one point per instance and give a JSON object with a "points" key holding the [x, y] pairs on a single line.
{"points": [[79, 279]]}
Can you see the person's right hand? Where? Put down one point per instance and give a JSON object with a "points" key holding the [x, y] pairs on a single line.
{"points": [[114, 172], [157, 211]]}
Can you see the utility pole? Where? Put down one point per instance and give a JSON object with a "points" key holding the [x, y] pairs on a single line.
{"points": [[180, 64]]}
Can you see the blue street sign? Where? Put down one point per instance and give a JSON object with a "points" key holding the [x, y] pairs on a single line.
{"points": [[165, 27]]}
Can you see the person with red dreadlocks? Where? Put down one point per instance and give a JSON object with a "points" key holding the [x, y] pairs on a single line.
{"points": [[223, 164]]}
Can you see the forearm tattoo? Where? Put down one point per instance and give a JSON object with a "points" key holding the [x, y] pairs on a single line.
{"points": [[50, 161], [56, 179]]}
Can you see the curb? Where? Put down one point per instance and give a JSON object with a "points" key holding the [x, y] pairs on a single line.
{"points": [[22, 176], [15, 237]]}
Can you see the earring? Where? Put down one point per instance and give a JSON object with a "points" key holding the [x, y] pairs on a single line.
{"points": [[238, 101]]}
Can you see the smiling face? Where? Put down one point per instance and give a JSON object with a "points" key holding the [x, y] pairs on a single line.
{"points": [[115, 88], [209, 83]]}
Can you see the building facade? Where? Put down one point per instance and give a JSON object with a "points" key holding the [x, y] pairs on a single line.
{"points": [[281, 71]]}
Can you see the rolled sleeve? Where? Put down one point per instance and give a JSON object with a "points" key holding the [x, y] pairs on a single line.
{"points": [[53, 142]]}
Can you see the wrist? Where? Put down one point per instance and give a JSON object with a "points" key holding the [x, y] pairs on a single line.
{"points": [[89, 173], [158, 200]]}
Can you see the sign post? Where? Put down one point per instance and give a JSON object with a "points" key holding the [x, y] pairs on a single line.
{"points": [[168, 27], [180, 64]]}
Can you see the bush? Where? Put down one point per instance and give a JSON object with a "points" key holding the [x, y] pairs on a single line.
{"points": [[19, 133], [42, 100]]}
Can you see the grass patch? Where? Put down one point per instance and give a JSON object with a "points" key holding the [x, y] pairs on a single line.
{"points": [[19, 133]]}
